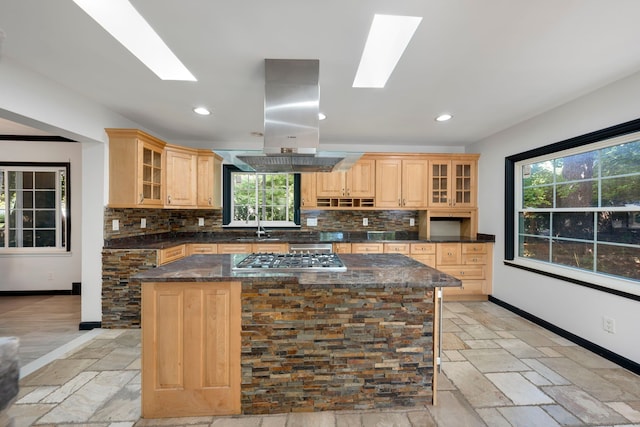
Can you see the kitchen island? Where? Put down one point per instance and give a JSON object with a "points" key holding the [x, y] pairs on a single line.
{"points": [[220, 341]]}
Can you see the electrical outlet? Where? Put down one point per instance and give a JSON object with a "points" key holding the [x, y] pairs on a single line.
{"points": [[365, 221], [609, 324], [312, 222], [143, 223], [412, 222], [115, 225], [200, 222]]}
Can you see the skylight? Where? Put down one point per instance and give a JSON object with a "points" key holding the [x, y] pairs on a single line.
{"points": [[388, 38], [120, 19]]}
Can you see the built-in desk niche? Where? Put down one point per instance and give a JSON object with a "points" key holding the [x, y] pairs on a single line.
{"points": [[455, 222]]}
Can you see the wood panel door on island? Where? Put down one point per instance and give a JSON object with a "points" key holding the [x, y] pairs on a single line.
{"points": [[191, 349]]}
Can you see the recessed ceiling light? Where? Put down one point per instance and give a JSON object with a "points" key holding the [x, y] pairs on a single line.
{"points": [[203, 111], [321, 116], [443, 117], [120, 19], [388, 38]]}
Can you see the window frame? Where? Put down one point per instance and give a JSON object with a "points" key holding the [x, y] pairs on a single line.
{"points": [[613, 135], [227, 204], [47, 250]]}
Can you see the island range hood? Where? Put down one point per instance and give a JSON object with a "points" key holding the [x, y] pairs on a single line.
{"points": [[291, 124]]}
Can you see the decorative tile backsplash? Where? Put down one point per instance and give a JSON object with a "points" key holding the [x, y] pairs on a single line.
{"points": [[186, 220]]}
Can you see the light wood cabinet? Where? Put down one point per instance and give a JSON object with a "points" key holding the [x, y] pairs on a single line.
{"points": [[359, 181], [308, 190], [367, 248], [209, 171], [191, 346], [235, 248], [401, 183], [453, 182], [269, 247], [342, 248], [171, 254], [247, 248], [136, 169], [202, 248], [424, 253], [181, 177], [472, 263], [397, 248]]}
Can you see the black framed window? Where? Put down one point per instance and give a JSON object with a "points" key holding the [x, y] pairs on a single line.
{"points": [[573, 210], [34, 207], [272, 199]]}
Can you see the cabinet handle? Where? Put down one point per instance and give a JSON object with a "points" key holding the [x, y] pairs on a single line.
{"points": [[462, 273], [449, 253], [399, 202], [210, 201], [404, 202], [348, 191], [343, 193], [141, 198], [169, 199]]}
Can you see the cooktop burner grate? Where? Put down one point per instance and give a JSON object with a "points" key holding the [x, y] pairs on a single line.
{"points": [[291, 262]]}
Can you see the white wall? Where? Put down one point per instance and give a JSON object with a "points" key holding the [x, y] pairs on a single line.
{"points": [[574, 308], [31, 272]]}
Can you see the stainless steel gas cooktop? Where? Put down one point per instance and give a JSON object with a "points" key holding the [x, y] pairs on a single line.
{"points": [[328, 262]]}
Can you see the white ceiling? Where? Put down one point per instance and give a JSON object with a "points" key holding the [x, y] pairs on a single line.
{"points": [[491, 63]]}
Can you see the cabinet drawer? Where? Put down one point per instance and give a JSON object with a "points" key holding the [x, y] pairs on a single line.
{"points": [[474, 248], [469, 287], [423, 248], [202, 248], [427, 259], [235, 248], [367, 248], [464, 272], [171, 254], [342, 248], [396, 248], [274, 248], [449, 254], [474, 259]]}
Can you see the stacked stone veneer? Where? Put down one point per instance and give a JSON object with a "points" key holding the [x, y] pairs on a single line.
{"points": [[120, 294], [335, 348], [9, 377]]}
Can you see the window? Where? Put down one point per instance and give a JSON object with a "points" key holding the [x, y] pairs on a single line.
{"points": [[575, 212], [34, 207], [268, 198]]}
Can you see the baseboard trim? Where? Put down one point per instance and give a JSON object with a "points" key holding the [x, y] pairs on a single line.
{"points": [[595, 348], [87, 326], [29, 293]]}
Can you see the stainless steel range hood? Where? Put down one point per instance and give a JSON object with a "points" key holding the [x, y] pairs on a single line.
{"points": [[291, 134]]}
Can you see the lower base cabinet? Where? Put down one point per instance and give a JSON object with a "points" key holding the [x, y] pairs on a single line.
{"points": [[471, 263], [191, 349]]}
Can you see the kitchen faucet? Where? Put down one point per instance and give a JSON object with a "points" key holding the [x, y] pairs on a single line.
{"points": [[261, 230]]}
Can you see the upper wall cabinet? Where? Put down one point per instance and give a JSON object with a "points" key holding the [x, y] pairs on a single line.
{"points": [[182, 177], [209, 172], [359, 181], [453, 181], [401, 183], [354, 188], [136, 169], [308, 190], [145, 171]]}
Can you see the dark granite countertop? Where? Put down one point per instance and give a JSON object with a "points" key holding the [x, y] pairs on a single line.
{"points": [[389, 270], [167, 240]]}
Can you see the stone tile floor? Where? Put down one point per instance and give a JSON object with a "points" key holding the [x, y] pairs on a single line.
{"points": [[498, 370]]}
